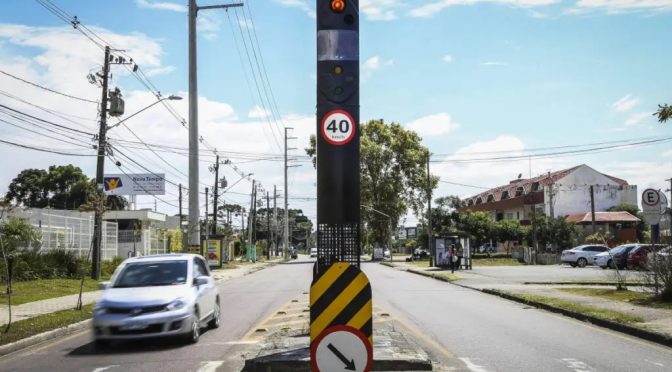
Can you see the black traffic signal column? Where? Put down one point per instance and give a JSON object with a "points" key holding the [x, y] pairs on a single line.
{"points": [[338, 201]]}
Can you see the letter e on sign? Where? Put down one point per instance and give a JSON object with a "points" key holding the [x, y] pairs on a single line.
{"points": [[650, 198], [338, 127]]}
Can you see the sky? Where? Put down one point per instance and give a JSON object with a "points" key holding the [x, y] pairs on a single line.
{"points": [[474, 78]]}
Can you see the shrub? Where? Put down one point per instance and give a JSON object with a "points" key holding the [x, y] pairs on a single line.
{"points": [[33, 264], [477, 256], [107, 267]]}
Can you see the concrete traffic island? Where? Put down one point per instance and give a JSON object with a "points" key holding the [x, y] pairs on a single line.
{"points": [[284, 344], [288, 350]]}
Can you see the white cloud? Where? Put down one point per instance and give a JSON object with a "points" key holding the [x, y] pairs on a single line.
{"points": [[304, 5], [615, 6], [433, 125], [160, 71], [258, 113], [374, 64], [161, 5], [638, 118], [667, 154], [379, 10], [625, 103], [448, 59], [433, 8], [493, 63]]}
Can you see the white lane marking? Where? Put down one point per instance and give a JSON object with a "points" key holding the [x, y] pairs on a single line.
{"points": [[577, 365], [473, 367], [101, 369], [655, 363], [210, 366]]}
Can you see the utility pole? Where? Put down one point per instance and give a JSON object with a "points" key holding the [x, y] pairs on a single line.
{"points": [[249, 222], [254, 217], [432, 252], [550, 196], [100, 171], [193, 232], [215, 196], [205, 225], [592, 208], [268, 226], [181, 217], [286, 235], [275, 220], [154, 205]]}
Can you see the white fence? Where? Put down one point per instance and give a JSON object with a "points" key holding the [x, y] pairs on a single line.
{"points": [[69, 230]]}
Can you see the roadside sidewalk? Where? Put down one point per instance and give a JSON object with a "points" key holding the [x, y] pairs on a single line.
{"points": [[656, 320], [33, 309]]}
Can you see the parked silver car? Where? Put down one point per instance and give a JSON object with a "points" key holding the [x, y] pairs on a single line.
{"points": [[582, 255], [157, 296]]}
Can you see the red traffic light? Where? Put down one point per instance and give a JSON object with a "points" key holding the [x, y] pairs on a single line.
{"points": [[337, 5]]}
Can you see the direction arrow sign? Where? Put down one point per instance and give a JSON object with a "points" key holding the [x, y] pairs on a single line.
{"points": [[341, 348]]}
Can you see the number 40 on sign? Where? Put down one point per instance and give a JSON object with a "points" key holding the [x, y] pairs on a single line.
{"points": [[338, 127]]}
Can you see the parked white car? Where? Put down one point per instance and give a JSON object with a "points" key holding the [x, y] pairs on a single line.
{"points": [[157, 296], [582, 255]]}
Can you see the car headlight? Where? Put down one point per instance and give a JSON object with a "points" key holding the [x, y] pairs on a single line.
{"points": [[176, 304], [99, 309]]}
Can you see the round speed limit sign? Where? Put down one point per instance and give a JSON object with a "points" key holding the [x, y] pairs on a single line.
{"points": [[338, 127]]}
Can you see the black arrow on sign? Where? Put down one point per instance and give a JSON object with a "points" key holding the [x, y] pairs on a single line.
{"points": [[349, 365]]}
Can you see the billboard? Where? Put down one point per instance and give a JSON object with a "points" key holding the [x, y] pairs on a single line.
{"points": [[134, 184], [212, 251]]}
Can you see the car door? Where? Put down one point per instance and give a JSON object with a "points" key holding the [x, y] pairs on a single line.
{"points": [[210, 290], [201, 290], [593, 251]]}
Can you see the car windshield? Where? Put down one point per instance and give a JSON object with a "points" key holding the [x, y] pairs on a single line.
{"points": [[617, 250], [146, 274]]}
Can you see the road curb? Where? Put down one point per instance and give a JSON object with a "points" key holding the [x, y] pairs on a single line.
{"points": [[419, 272], [652, 336], [45, 336], [614, 326]]}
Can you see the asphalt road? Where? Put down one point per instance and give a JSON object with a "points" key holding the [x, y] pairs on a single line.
{"points": [[488, 333], [461, 328], [245, 302]]}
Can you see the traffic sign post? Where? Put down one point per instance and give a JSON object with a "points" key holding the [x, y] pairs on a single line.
{"points": [[340, 300], [337, 124], [341, 348], [654, 204]]}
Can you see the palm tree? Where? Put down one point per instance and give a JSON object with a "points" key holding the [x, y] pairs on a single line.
{"points": [[664, 113]]}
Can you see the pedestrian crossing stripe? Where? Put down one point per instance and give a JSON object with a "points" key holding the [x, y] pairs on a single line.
{"points": [[341, 296]]}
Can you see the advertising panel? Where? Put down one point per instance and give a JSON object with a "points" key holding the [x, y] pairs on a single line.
{"points": [[134, 184], [212, 251]]}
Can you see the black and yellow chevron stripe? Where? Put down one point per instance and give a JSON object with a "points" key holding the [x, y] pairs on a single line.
{"points": [[341, 296]]}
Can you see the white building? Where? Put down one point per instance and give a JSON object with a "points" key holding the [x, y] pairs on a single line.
{"points": [[556, 194]]}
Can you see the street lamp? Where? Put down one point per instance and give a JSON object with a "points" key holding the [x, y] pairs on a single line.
{"points": [[170, 98]]}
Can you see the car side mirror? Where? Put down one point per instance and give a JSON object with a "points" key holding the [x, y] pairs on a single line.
{"points": [[103, 285], [201, 280]]}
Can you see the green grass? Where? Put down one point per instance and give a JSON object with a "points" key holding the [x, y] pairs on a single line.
{"points": [[582, 309], [43, 323], [495, 262], [35, 290], [638, 298], [587, 282], [420, 264]]}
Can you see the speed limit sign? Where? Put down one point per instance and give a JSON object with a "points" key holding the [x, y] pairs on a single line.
{"points": [[338, 127]]}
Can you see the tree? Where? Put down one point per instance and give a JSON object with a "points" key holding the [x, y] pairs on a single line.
{"points": [[393, 176], [552, 233], [444, 214], [508, 231], [478, 225], [664, 113], [61, 187]]}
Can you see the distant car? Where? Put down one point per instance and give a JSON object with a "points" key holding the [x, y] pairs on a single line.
{"points": [[386, 253], [420, 253], [663, 253], [157, 296], [313, 252], [294, 254], [582, 255], [638, 256], [616, 257], [488, 248]]}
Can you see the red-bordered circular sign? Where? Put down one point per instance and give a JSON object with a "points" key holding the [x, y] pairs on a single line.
{"points": [[340, 348], [648, 194], [338, 127]]}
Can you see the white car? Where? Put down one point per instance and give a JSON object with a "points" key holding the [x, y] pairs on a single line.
{"points": [[582, 255], [313, 252], [157, 296]]}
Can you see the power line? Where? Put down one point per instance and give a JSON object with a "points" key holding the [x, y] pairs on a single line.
{"points": [[47, 89], [46, 121], [43, 149], [465, 185], [79, 144]]}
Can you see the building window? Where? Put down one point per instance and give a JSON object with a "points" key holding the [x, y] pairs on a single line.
{"points": [[471, 202], [519, 191], [518, 215], [479, 201], [491, 198], [509, 216], [535, 186], [505, 195]]}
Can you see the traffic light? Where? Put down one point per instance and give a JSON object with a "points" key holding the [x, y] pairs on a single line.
{"points": [[338, 200]]}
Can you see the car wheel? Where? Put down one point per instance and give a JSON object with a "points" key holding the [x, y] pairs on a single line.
{"points": [[603, 267], [195, 334], [582, 262], [101, 344], [572, 264], [216, 315]]}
